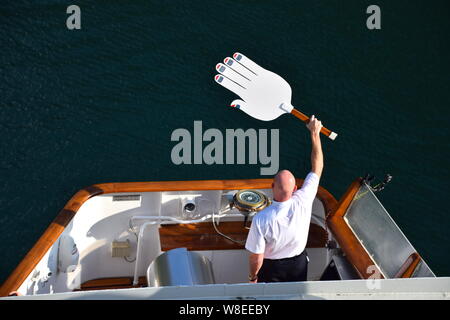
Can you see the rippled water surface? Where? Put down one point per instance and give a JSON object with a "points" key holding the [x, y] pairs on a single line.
{"points": [[99, 104]]}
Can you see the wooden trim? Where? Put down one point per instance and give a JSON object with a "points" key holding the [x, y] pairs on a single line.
{"points": [[408, 267], [203, 236], [112, 283], [57, 226], [346, 199], [355, 252], [328, 200]]}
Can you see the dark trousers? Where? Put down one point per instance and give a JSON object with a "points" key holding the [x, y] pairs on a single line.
{"points": [[283, 270]]}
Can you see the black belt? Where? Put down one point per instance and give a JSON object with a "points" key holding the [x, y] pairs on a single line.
{"points": [[290, 258]]}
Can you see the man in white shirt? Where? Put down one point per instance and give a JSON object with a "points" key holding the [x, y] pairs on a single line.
{"points": [[278, 234]]}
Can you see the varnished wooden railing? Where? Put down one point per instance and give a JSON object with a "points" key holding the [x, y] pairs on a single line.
{"points": [[354, 251], [57, 226], [203, 236], [409, 266], [112, 283]]}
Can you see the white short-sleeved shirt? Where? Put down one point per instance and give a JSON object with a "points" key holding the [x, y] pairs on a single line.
{"points": [[281, 230]]}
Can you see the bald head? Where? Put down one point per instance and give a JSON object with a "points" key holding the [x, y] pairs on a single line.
{"points": [[283, 185]]}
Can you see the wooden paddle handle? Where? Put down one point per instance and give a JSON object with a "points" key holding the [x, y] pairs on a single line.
{"points": [[330, 134]]}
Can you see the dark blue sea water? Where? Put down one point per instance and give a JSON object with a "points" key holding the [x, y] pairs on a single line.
{"points": [[79, 107]]}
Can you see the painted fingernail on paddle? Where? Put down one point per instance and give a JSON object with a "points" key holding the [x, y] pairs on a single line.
{"points": [[237, 56], [220, 67]]}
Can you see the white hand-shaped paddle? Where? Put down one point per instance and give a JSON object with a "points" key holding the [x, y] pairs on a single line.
{"points": [[265, 95]]}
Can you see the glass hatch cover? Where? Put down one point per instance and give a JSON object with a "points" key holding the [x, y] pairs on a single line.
{"points": [[380, 235]]}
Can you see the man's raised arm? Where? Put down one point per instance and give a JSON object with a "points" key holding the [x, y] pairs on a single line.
{"points": [[314, 126]]}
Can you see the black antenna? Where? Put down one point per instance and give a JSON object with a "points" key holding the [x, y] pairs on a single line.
{"points": [[368, 178], [381, 185]]}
